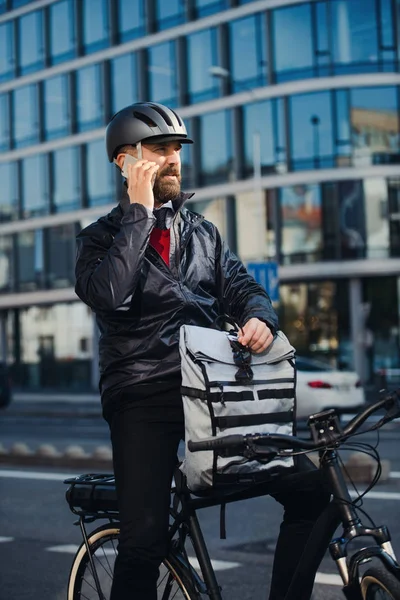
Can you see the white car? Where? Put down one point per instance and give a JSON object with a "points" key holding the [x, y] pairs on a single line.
{"points": [[320, 387]]}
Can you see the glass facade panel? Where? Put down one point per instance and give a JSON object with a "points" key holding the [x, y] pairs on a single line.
{"points": [[375, 125], [53, 355], [7, 60], [89, 97], [353, 235], [95, 25], [258, 125], [124, 88], [60, 254], [6, 263], [248, 52], [376, 215], [56, 110], [209, 7], [162, 69], [25, 116], [30, 261], [62, 36], [292, 42], [170, 14], [30, 42], [131, 19], [355, 35], [202, 56], [343, 130], [187, 161], [8, 192], [311, 131], [66, 180], [301, 218], [100, 175], [4, 122], [35, 188], [216, 148]]}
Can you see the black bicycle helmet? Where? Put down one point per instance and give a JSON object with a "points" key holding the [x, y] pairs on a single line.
{"points": [[144, 122]]}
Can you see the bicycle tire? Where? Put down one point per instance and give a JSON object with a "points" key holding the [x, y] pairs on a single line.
{"points": [[174, 581], [378, 583]]}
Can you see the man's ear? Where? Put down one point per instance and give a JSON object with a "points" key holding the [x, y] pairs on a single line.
{"points": [[119, 161]]}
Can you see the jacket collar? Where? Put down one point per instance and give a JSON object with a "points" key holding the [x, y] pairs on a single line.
{"points": [[177, 203]]}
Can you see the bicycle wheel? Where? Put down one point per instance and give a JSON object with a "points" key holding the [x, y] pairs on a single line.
{"points": [[380, 584], [174, 581]]}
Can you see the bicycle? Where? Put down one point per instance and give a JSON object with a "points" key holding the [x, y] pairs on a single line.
{"points": [[92, 497]]}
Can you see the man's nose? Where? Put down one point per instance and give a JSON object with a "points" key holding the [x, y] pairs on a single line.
{"points": [[173, 158]]}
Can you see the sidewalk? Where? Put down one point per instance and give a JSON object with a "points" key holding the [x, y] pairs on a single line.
{"points": [[54, 405]]}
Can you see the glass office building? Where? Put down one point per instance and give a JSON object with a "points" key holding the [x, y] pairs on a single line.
{"points": [[294, 107]]}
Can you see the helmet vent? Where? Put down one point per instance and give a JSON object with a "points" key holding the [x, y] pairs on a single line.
{"points": [[144, 118], [162, 112], [178, 117]]}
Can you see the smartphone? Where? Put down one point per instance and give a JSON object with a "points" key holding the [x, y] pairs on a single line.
{"points": [[129, 160]]}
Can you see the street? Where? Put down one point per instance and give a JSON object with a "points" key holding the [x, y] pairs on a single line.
{"points": [[38, 538]]}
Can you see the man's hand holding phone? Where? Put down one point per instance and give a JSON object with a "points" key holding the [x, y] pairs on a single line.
{"points": [[140, 175]]}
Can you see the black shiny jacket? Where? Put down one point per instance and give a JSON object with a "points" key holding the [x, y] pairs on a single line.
{"points": [[140, 302]]}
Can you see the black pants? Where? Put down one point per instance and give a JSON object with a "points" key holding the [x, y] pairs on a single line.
{"points": [[146, 425]]}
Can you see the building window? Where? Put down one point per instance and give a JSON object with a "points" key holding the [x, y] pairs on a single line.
{"points": [[292, 42], [56, 113], [202, 56], [30, 42], [6, 263], [100, 175], [170, 14], [35, 188], [375, 125], [301, 220], [162, 71], [60, 253], [30, 260], [187, 161], [311, 131], [95, 25], [216, 148], [259, 142], [123, 81], [248, 39], [89, 97], [66, 180], [131, 19], [25, 116], [209, 7], [7, 60], [62, 34], [8, 192], [376, 217], [4, 122]]}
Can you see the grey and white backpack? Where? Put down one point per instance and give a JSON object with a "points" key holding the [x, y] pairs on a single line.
{"points": [[227, 390]]}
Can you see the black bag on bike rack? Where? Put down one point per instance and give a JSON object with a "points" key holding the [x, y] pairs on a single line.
{"points": [[228, 390]]}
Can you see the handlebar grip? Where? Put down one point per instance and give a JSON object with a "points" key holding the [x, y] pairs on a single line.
{"points": [[221, 443]]}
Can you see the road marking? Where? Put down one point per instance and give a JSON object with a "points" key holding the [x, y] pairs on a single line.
{"points": [[377, 495], [394, 474], [67, 549], [6, 539], [218, 565], [35, 475], [328, 579]]}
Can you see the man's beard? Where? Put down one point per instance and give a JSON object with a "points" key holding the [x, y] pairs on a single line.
{"points": [[167, 189]]}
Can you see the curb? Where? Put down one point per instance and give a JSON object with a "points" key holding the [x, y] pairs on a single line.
{"points": [[46, 455]]}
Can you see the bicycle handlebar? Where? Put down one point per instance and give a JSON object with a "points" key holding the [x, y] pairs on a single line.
{"points": [[391, 402]]}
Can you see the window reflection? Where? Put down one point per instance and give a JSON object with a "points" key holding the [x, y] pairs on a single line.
{"points": [[66, 180], [56, 114], [375, 125], [62, 37], [6, 263], [7, 60], [216, 148], [170, 14], [25, 116], [301, 222], [60, 252], [209, 7], [187, 160], [292, 35], [95, 25], [52, 353], [352, 219], [258, 129], [100, 175], [4, 122], [131, 19], [30, 42], [30, 260], [163, 73], [355, 42], [376, 214], [248, 52], [89, 96], [35, 189], [123, 81], [202, 55], [8, 192], [311, 130]]}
